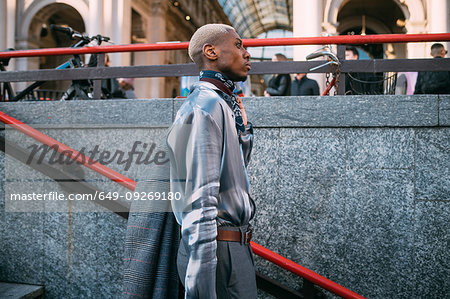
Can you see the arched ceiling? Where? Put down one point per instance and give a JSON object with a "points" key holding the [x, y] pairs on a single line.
{"points": [[385, 12], [253, 17]]}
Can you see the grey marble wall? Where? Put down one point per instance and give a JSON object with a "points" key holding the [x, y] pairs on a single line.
{"points": [[356, 189]]}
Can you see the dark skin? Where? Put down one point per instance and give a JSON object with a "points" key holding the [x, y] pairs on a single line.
{"points": [[227, 56]]}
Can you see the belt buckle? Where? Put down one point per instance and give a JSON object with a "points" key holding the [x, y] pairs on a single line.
{"points": [[248, 236]]}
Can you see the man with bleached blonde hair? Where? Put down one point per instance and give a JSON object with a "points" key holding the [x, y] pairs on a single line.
{"points": [[209, 34], [209, 145]]}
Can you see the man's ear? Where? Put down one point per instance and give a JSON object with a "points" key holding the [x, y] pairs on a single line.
{"points": [[209, 51]]}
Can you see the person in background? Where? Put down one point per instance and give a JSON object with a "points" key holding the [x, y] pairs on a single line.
{"points": [[127, 86], [361, 83], [303, 86], [434, 82], [279, 85], [351, 53]]}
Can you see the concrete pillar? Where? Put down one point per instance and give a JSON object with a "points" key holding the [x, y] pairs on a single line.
{"points": [[8, 27], [416, 23], [95, 23], [3, 25], [11, 23], [121, 30], [448, 23], [307, 22], [107, 18], [8, 30], [156, 32], [417, 50], [9, 35], [438, 14]]}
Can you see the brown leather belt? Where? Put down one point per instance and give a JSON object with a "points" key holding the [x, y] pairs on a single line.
{"points": [[234, 234]]}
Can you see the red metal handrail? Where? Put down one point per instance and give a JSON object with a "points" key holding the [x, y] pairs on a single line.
{"points": [[65, 150], [288, 41], [130, 184], [303, 272]]}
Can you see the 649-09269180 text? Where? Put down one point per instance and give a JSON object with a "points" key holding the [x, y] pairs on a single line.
{"points": [[98, 195]]}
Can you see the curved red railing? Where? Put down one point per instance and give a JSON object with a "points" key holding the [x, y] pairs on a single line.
{"points": [[287, 41], [130, 184], [303, 272], [65, 150]]}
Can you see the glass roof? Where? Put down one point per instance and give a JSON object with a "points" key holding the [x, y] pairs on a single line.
{"points": [[266, 53], [253, 17]]}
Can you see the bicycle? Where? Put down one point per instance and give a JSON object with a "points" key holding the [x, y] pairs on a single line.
{"points": [[78, 90], [326, 51]]}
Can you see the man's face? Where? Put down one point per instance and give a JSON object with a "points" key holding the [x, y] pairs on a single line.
{"points": [[442, 52], [438, 52], [233, 59], [350, 56], [299, 76]]}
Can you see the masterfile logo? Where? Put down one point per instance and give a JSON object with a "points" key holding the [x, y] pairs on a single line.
{"points": [[140, 153]]}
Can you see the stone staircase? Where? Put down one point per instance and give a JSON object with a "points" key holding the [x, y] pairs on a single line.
{"points": [[20, 291]]}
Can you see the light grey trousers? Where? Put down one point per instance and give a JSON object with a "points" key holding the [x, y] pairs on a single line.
{"points": [[235, 273]]}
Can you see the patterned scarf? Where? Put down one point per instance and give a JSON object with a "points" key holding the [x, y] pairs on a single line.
{"points": [[227, 86]]}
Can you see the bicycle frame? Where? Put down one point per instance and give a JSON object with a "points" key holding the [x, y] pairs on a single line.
{"points": [[332, 59], [36, 84], [329, 87], [78, 87]]}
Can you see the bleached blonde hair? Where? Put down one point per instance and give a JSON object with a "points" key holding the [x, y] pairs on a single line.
{"points": [[207, 34]]}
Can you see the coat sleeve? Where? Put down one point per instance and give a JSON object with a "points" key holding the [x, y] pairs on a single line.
{"points": [[282, 87], [315, 88], [294, 87], [200, 156]]}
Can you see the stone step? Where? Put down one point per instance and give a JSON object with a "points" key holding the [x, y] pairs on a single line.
{"points": [[10, 290]]}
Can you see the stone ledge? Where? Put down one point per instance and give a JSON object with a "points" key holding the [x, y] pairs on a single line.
{"points": [[343, 111], [308, 111], [155, 112], [16, 290]]}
